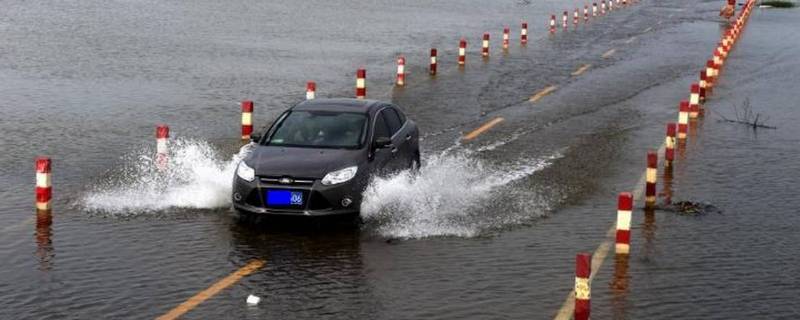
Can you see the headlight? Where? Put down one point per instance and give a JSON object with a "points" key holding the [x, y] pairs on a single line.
{"points": [[340, 176], [245, 172]]}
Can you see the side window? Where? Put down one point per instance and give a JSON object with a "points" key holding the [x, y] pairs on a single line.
{"points": [[381, 129], [400, 114], [392, 119]]}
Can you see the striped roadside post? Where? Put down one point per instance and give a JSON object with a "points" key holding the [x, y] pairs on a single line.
{"points": [[710, 74], [552, 23], [432, 69], [462, 52], [703, 85], [361, 84], [162, 134], [669, 143], [247, 119], [401, 71], [523, 34], [505, 38], [694, 101], [594, 9], [650, 177], [44, 188], [583, 286], [683, 119], [586, 13], [311, 90], [485, 45], [624, 211], [576, 17], [565, 19]]}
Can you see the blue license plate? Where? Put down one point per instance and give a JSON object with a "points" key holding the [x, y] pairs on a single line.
{"points": [[284, 198]]}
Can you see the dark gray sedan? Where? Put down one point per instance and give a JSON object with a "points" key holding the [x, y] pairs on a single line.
{"points": [[318, 157]]}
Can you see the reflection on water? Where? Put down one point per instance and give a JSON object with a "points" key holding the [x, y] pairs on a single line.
{"points": [[649, 233], [619, 286], [44, 241]]}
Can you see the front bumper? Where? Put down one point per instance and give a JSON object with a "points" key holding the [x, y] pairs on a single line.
{"points": [[319, 199]]}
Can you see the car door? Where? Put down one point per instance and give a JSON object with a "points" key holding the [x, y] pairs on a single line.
{"points": [[400, 151], [381, 158]]}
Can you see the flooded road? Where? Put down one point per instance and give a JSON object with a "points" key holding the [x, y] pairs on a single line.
{"points": [[488, 229]]}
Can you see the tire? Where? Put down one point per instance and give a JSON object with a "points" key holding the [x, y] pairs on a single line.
{"points": [[416, 163]]}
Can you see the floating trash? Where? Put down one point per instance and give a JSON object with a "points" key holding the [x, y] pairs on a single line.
{"points": [[253, 300]]}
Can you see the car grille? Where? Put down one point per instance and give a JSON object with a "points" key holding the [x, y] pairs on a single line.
{"points": [[281, 180]]}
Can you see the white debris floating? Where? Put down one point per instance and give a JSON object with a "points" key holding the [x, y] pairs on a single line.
{"points": [[253, 300]]}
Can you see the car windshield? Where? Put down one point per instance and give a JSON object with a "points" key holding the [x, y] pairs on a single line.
{"points": [[319, 129]]}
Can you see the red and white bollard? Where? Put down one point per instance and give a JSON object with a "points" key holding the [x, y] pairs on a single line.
{"points": [[702, 86], [650, 179], [162, 151], [624, 211], [311, 90], [603, 7], [485, 45], [462, 52], [564, 19], [583, 286], [726, 44], [552, 23], [576, 17], [683, 119], [361, 84], [44, 189], [709, 74], [669, 143], [505, 38], [247, 119], [585, 13], [694, 101], [610, 5], [594, 9], [401, 71], [523, 33], [433, 62]]}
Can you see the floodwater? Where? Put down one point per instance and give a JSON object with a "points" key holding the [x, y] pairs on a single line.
{"points": [[488, 229]]}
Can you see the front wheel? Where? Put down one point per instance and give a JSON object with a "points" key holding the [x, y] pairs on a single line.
{"points": [[415, 162]]}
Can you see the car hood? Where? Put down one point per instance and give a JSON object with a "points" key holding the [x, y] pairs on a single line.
{"points": [[299, 162]]}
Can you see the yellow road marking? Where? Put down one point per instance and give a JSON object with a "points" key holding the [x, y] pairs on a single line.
{"points": [[600, 254], [609, 53], [542, 93], [582, 69], [204, 295], [485, 127]]}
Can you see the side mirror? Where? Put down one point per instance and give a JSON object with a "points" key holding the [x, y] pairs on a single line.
{"points": [[255, 137], [382, 142]]}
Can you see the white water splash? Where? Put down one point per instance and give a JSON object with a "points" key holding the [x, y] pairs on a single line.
{"points": [[452, 195], [196, 177]]}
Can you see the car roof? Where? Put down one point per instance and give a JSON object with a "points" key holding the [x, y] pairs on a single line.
{"points": [[338, 104]]}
